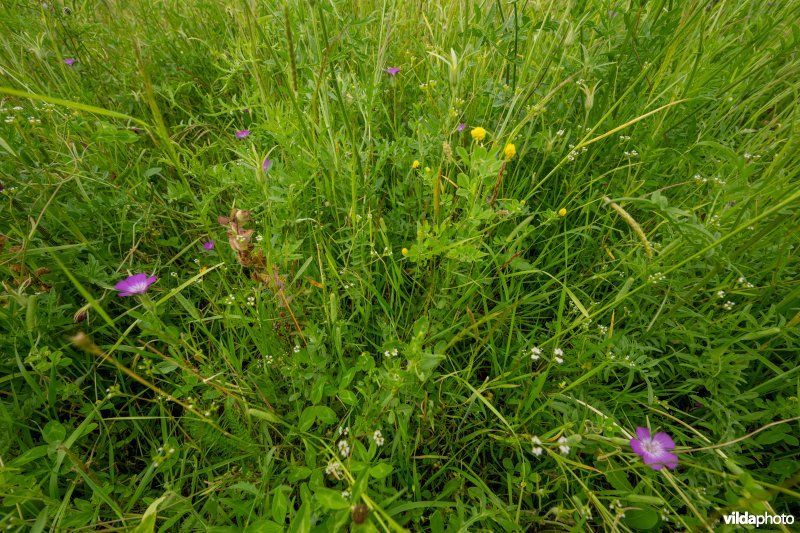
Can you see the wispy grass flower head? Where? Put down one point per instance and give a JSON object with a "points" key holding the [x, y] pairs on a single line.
{"points": [[135, 284], [654, 450]]}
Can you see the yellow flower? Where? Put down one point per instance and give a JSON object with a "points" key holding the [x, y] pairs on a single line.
{"points": [[478, 133], [404, 251], [415, 164], [427, 169], [203, 269], [562, 212], [509, 151]]}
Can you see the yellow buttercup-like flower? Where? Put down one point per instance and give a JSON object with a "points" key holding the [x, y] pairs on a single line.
{"points": [[478, 133], [562, 212], [404, 251], [415, 164], [509, 151]]}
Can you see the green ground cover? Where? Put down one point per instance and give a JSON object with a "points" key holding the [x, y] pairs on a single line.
{"points": [[381, 266]]}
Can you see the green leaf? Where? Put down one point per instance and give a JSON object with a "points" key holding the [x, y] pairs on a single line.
{"points": [[330, 499], [302, 520], [641, 519], [148, 523], [280, 505], [54, 431], [381, 470]]}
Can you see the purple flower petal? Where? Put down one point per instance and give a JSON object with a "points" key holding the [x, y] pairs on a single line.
{"points": [[461, 127], [135, 284], [208, 245], [266, 165], [643, 433], [637, 447], [659, 460], [392, 71], [69, 61], [664, 440], [241, 134]]}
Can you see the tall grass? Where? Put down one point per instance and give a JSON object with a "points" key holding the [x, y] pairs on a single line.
{"points": [[367, 363]]}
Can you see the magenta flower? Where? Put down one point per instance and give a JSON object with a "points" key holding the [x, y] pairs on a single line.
{"points": [[208, 245], [136, 284], [266, 165], [69, 61], [241, 134], [654, 450], [461, 127], [392, 71]]}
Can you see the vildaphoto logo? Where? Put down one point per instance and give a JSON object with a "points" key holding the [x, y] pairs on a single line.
{"points": [[747, 519]]}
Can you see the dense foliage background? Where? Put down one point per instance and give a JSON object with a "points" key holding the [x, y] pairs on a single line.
{"points": [[380, 351]]}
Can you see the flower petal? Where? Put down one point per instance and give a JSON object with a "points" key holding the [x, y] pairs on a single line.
{"points": [[659, 460], [637, 448], [643, 433], [664, 440]]}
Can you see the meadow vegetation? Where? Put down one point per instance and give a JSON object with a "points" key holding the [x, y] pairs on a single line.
{"points": [[403, 265]]}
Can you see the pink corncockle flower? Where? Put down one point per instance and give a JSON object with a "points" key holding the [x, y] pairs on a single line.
{"points": [[655, 450], [267, 163], [242, 134], [208, 245], [461, 127], [136, 284], [69, 61], [392, 71]]}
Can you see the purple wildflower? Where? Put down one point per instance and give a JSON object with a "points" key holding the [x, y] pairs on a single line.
{"points": [[208, 245], [241, 134], [267, 163], [392, 71], [136, 284], [654, 450], [461, 127], [69, 61]]}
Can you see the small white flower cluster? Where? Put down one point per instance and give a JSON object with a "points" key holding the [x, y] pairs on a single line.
{"points": [[536, 353], [560, 133], [391, 353], [268, 360], [632, 153], [347, 285], [728, 306], [162, 455], [296, 348], [259, 237], [624, 138], [602, 329], [744, 283], [251, 301], [344, 448], [387, 251], [34, 120], [346, 494], [748, 156], [335, 469], [229, 300], [720, 294], [536, 448], [112, 391], [573, 154], [655, 278], [563, 447], [378, 437], [558, 355], [616, 507], [431, 84], [713, 220], [9, 119]]}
